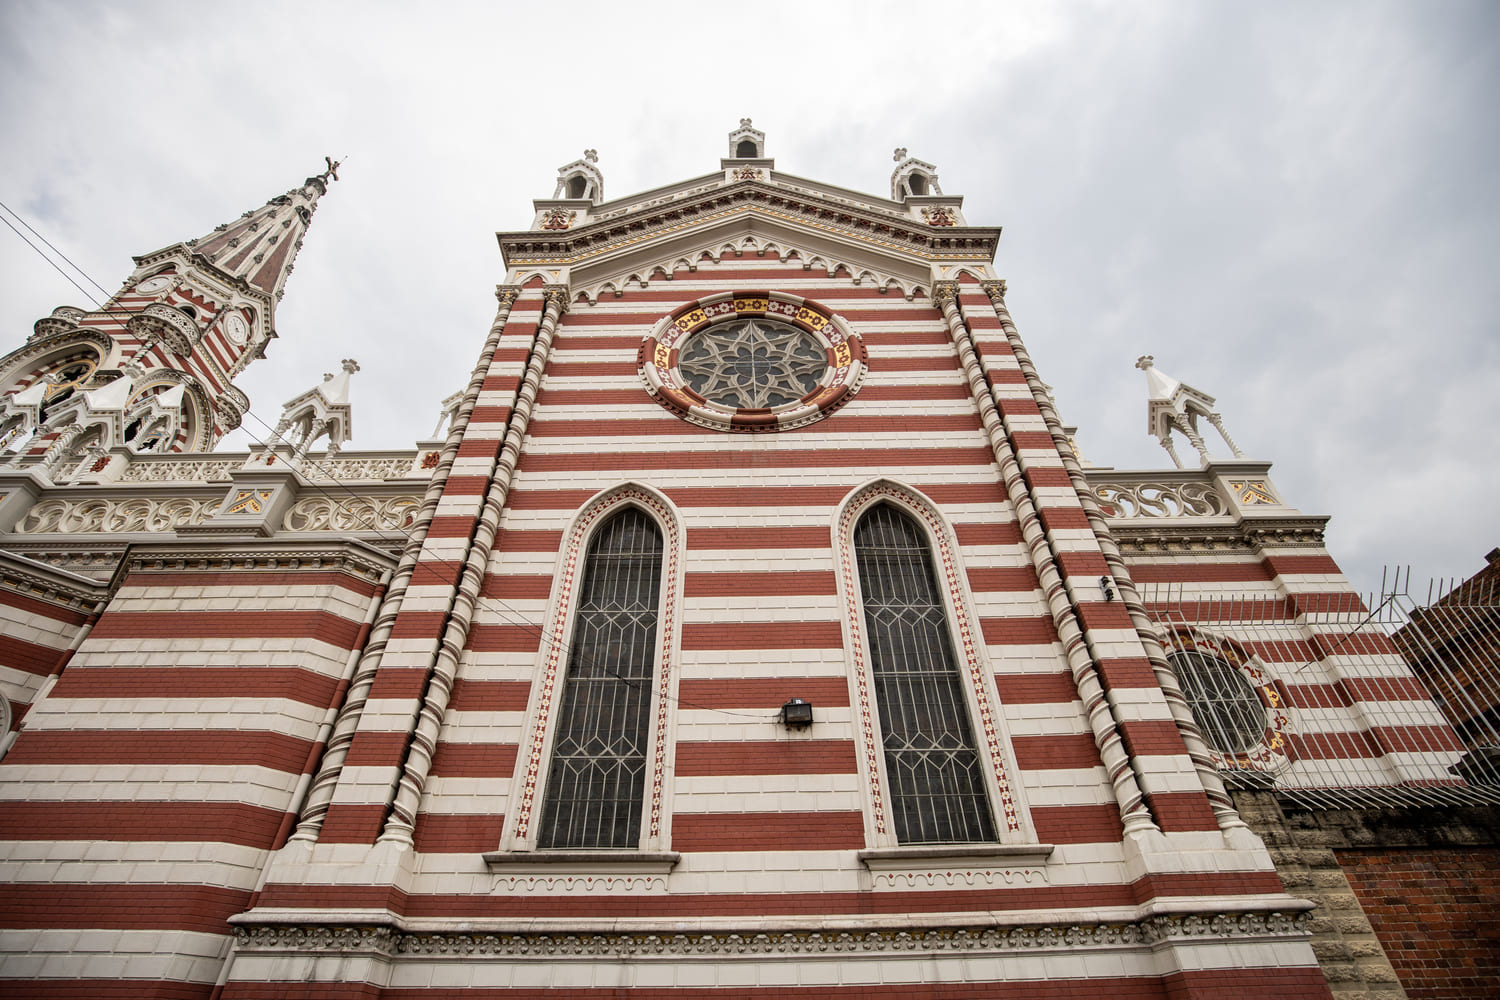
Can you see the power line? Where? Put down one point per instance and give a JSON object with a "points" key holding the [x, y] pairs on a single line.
{"points": [[54, 249], [505, 611], [86, 293]]}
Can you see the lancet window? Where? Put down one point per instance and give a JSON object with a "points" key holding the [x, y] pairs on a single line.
{"points": [[937, 788], [599, 756]]}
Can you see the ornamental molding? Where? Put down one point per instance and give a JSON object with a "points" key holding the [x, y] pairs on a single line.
{"points": [[578, 884], [323, 513], [1159, 499], [37, 583], [387, 940], [890, 233], [1148, 535], [716, 249], [96, 515], [346, 468], [37, 349], [160, 322], [349, 555], [178, 471], [960, 878]]}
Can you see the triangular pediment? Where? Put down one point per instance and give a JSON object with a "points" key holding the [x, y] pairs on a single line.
{"points": [[655, 243]]}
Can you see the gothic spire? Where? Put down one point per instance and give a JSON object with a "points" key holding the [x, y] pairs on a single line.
{"points": [[260, 245]]}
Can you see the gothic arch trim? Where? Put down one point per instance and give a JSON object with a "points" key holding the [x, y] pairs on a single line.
{"points": [[1007, 800], [531, 772], [27, 361], [197, 428]]}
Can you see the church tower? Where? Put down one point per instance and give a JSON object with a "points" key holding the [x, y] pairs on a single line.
{"points": [[151, 370]]}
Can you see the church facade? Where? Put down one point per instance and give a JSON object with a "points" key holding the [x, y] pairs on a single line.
{"points": [[755, 629]]}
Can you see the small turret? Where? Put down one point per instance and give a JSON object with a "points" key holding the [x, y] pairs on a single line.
{"points": [[321, 412], [1173, 405]]}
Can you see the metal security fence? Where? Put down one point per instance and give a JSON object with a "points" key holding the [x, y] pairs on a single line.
{"points": [[1387, 700]]}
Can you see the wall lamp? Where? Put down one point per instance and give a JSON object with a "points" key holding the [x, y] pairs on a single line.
{"points": [[796, 714], [1107, 585]]}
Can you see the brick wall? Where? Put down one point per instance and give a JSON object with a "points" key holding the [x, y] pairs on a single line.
{"points": [[1437, 912]]}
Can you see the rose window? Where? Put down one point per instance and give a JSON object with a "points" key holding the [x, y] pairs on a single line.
{"points": [[1223, 702], [752, 364], [748, 361]]}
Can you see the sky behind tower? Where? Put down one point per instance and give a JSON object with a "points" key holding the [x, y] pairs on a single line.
{"points": [[1292, 206]]}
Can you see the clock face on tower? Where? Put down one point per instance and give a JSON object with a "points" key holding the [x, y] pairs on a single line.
{"points": [[153, 286], [236, 329]]}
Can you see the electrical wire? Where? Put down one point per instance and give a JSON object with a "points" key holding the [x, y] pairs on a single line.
{"points": [[54, 249], [506, 612]]}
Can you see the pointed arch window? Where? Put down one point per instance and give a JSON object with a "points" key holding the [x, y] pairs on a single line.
{"points": [[937, 788], [599, 755]]}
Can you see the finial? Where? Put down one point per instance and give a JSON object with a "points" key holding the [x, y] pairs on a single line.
{"points": [[900, 154], [351, 366], [1144, 361], [332, 171], [744, 123], [592, 155]]}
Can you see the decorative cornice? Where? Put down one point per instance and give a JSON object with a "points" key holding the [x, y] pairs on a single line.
{"points": [[45, 583], [390, 941], [888, 231], [1167, 535]]}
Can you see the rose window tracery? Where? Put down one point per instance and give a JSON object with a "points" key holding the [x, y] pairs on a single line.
{"points": [[752, 363]]}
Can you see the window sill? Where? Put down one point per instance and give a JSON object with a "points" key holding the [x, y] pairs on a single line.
{"points": [[588, 862], [928, 856]]}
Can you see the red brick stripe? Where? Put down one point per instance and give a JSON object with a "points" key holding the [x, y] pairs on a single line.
{"points": [[739, 757], [1182, 812], [1229, 572], [773, 584], [323, 626], [762, 692], [1018, 631], [1287, 565], [138, 906], [763, 635], [45, 609], [210, 822], [747, 459], [1078, 824], [474, 760], [1036, 689], [785, 831], [998, 580], [516, 586], [253, 578], [245, 681], [759, 538], [103, 746], [489, 696], [30, 657], [439, 833], [517, 540], [1046, 753], [376, 749], [485, 637]]}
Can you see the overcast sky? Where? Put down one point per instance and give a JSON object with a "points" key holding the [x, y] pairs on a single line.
{"points": [[1293, 206]]}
